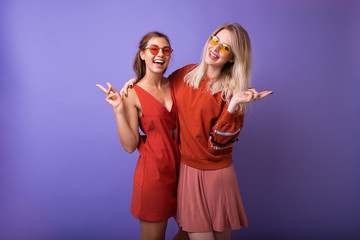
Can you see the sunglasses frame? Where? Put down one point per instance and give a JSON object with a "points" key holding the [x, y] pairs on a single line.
{"points": [[223, 46], [159, 48]]}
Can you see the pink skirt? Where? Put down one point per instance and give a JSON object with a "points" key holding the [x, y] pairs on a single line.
{"points": [[209, 200]]}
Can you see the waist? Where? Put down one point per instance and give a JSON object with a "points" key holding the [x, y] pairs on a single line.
{"points": [[206, 161]]}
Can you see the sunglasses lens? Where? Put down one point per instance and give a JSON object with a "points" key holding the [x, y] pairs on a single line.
{"points": [[225, 49], [214, 40], [167, 51], [154, 50]]}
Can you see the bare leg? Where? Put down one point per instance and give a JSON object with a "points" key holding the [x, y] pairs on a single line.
{"points": [[201, 236], [225, 235], [181, 235], [153, 230]]}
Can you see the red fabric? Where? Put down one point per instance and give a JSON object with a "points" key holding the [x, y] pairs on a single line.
{"points": [[155, 179], [202, 117]]}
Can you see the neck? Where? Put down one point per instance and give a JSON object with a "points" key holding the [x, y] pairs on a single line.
{"points": [[212, 72], [153, 80]]}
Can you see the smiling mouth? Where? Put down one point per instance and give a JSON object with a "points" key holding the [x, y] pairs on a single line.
{"points": [[213, 54], [159, 62]]}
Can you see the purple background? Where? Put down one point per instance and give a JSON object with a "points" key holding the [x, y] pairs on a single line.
{"points": [[63, 172]]}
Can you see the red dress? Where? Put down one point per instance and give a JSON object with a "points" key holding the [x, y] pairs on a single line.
{"points": [[156, 173]]}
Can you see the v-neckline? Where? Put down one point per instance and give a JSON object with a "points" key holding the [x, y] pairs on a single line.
{"points": [[172, 101]]}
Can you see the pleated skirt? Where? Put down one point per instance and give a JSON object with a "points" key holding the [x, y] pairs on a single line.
{"points": [[209, 200]]}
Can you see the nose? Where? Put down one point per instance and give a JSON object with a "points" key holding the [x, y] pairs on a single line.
{"points": [[161, 52], [216, 47]]}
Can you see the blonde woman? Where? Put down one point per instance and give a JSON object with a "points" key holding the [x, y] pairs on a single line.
{"points": [[211, 99]]}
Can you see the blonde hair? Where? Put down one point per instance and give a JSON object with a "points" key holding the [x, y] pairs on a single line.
{"points": [[235, 76]]}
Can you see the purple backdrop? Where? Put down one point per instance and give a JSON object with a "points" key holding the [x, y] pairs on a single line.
{"points": [[63, 172]]}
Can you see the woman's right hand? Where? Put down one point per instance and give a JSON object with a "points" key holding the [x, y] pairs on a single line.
{"points": [[113, 97], [128, 84]]}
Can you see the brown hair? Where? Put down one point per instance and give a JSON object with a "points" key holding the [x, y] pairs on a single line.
{"points": [[139, 64]]}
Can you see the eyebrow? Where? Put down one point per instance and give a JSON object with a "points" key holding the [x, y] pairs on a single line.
{"points": [[158, 45], [223, 43]]}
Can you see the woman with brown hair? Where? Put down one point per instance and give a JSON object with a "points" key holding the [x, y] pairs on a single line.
{"points": [[151, 106]]}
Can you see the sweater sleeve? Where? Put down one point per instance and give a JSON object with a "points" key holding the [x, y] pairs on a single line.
{"points": [[225, 132]]}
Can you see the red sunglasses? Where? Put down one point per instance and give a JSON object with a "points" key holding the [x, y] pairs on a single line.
{"points": [[155, 49]]}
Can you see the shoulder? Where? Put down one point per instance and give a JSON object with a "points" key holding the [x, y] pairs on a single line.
{"points": [[189, 67], [132, 98], [181, 72]]}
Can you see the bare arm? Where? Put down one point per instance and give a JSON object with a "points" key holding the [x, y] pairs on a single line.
{"points": [[126, 117], [128, 125]]}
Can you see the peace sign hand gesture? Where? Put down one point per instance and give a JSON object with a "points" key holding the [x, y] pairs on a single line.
{"points": [[113, 97]]}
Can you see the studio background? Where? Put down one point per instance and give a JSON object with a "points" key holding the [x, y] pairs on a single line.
{"points": [[63, 172]]}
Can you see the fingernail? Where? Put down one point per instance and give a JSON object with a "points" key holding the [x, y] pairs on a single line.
{"points": [[130, 86], [249, 88], [272, 93], [125, 95]]}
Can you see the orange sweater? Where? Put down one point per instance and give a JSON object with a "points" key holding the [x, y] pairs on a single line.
{"points": [[207, 129]]}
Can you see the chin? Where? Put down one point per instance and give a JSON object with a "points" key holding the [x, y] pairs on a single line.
{"points": [[158, 71], [208, 61], [211, 63]]}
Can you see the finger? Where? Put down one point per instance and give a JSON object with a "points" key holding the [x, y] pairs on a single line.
{"points": [[132, 82], [114, 90], [256, 94], [109, 99], [102, 88], [249, 96], [113, 95], [252, 89], [265, 94], [124, 89], [111, 89], [108, 90]]}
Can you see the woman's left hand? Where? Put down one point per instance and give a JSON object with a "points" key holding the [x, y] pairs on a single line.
{"points": [[246, 97]]}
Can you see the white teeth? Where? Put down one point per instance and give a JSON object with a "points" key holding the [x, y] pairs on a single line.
{"points": [[213, 54], [158, 61]]}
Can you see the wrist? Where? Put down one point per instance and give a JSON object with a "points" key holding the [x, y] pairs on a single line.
{"points": [[231, 108], [118, 110]]}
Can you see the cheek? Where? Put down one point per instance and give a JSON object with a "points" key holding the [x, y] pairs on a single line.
{"points": [[226, 57], [148, 62], [209, 47]]}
